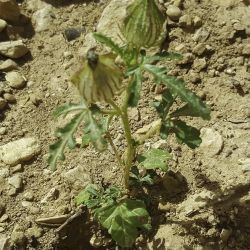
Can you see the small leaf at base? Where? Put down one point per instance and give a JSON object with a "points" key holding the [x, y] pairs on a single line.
{"points": [[154, 158]]}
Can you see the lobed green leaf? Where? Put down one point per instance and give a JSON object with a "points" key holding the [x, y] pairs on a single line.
{"points": [[154, 158], [177, 86], [67, 108], [123, 220], [65, 137]]}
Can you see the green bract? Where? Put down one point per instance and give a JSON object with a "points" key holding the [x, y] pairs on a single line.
{"points": [[143, 24]]}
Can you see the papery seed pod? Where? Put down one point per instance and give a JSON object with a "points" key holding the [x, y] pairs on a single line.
{"points": [[143, 24], [99, 79]]}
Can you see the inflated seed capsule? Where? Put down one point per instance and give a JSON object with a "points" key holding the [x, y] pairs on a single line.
{"points": [[143, 24], [99, 79]]}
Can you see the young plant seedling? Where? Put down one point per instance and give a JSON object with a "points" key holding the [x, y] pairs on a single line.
{"points": [[100, 80]]}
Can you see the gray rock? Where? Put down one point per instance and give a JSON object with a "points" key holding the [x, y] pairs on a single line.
{"points": [[162, 144], [16, 181], [13, 49], [51, 195], [28, 196], [78, 177], [109, 25], [112, 18], [2, 103], [15, 80], [173, 12], [4, 172], [187, 58], [4, 243], [199, 49], [4, 218], [9, 97], [186, 21], [246, 50], [225, 234], [8, 65], [201, 35], [199, 64], [18, 168], [197, 22], [194, 202], [3, 130], [245, 165], [43, 17], [9, 10], [212, 142], [20, 150], [3, 24]]}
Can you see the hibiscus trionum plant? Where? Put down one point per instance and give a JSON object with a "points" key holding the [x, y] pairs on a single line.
{"points": [[103, 83]]}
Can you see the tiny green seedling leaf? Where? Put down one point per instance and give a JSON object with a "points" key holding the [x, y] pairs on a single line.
{"points": [[154, 158], [65, 137], [177, 86], [123, 220], [186, 134]]}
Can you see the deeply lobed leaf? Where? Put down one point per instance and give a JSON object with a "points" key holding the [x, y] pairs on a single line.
{"points": [[177, 86], [65, 137], [123, 220]]}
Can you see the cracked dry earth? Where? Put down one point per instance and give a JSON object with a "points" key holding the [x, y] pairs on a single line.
{"points": [[204, 202]]}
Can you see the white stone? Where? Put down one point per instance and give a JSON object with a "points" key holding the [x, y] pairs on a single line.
{"points": [[173, 12], [8, 65], [4, 243], [13, 49], [18, 151], [16, 181], [15, 80], [43, 17], [109, 25], [212, 142], [3, 24]]}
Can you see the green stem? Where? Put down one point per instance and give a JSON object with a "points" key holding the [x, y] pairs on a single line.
{"points": [[123, 113]]}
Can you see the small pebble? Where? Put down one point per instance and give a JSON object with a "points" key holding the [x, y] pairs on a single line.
{"points": [[15, 80], [3, 103], [71, 34], [173, 12], [9, 98]]}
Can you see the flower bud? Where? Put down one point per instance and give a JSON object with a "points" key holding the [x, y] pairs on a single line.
{"points": [[143, 24]]}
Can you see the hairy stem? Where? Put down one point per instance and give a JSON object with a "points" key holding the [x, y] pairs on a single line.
{"points": [[123, 113]]}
